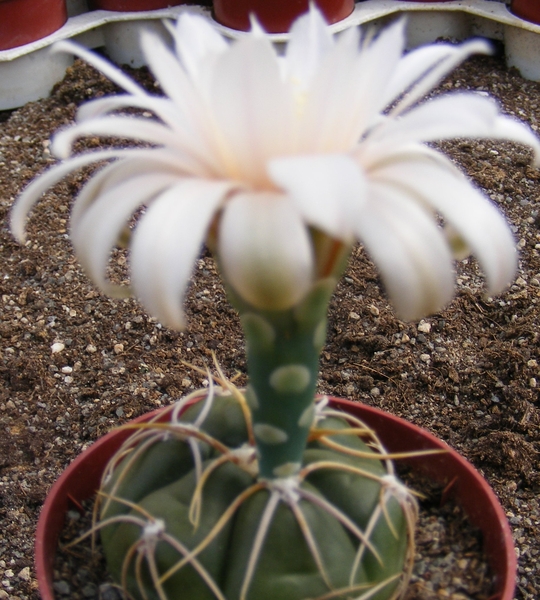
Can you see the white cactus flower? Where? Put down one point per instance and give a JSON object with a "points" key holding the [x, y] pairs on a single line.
{"points": [[254, 151]]}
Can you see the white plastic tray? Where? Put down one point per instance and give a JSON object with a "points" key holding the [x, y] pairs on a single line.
{"points": [[29, 72]]}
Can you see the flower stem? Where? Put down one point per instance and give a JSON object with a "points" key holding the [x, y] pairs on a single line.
{"points": [[283, 349]]}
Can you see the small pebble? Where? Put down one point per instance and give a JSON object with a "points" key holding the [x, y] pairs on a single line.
{"points": [[24, 574], [62, 587], [425, 358], [57, 347], [109, 592], [374, 310], [424, 327], [90, 590], [118, 348]]}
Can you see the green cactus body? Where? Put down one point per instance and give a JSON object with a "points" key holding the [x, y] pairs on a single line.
{"points": [[283, 349], [261, 494], [292, 538]]}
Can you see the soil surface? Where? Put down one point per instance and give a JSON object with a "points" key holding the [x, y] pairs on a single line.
{"points": [[74, 364]]}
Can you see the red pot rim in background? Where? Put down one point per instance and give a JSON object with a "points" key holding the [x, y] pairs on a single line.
{"points": [[464, 484], [25, 21], [133, 5], [276, 16], [526, 9]]}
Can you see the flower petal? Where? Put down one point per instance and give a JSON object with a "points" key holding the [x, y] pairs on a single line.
{"points": [[104, 66], [190, 110], [133, 128], [309, 42], [433, 76], [252, 109], [166, 243], [329, 190], [265, 250], [197, 41], [451, 116], [345, 95], [96, 231], [409, 250], [472, 215], [46, 180]]}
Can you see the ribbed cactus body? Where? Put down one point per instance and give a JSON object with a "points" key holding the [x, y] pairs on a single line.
{"points": [[294, 538]]}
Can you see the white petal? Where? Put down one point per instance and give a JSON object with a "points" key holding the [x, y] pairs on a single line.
{"points": [[435, 75], [109, 70], [144, 162], [265, 250], [309, 42], [328, 190], [162, 107], [174, 82], [37, 187], [197, 40], [409, 250], [451, 116], [252, 109], [513, 130], [346, 93], [472, 215], [448, 116], [133, 128], [166, 243], [98, 228], [413, 66]]}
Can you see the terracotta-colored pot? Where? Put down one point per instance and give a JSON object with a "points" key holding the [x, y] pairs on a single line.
{"points": [[527, 9], [25, 21], [133, 5], [276, 16], [81, 479]]}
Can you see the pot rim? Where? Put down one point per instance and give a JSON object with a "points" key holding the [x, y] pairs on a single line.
{"points": [[462, 481]]}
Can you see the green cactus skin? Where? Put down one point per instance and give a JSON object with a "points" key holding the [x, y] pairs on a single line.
{"points": [[261, 552], [283, 349]]}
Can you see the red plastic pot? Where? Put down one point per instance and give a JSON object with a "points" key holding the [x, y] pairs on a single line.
{"points": [[25, 21], [463, 483], [133, 5], [527, 9], [276, 16]]}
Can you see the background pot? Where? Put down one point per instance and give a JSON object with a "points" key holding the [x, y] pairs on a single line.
{"points": [[25, 21], [81, 479], [133, 5], [276, 16], [527, 9]]}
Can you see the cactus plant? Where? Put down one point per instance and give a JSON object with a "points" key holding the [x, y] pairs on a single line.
{"points": [[279, 163], [185, 512]]}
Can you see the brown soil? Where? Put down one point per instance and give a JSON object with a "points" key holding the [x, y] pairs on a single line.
{"points": [[470, 374]]}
